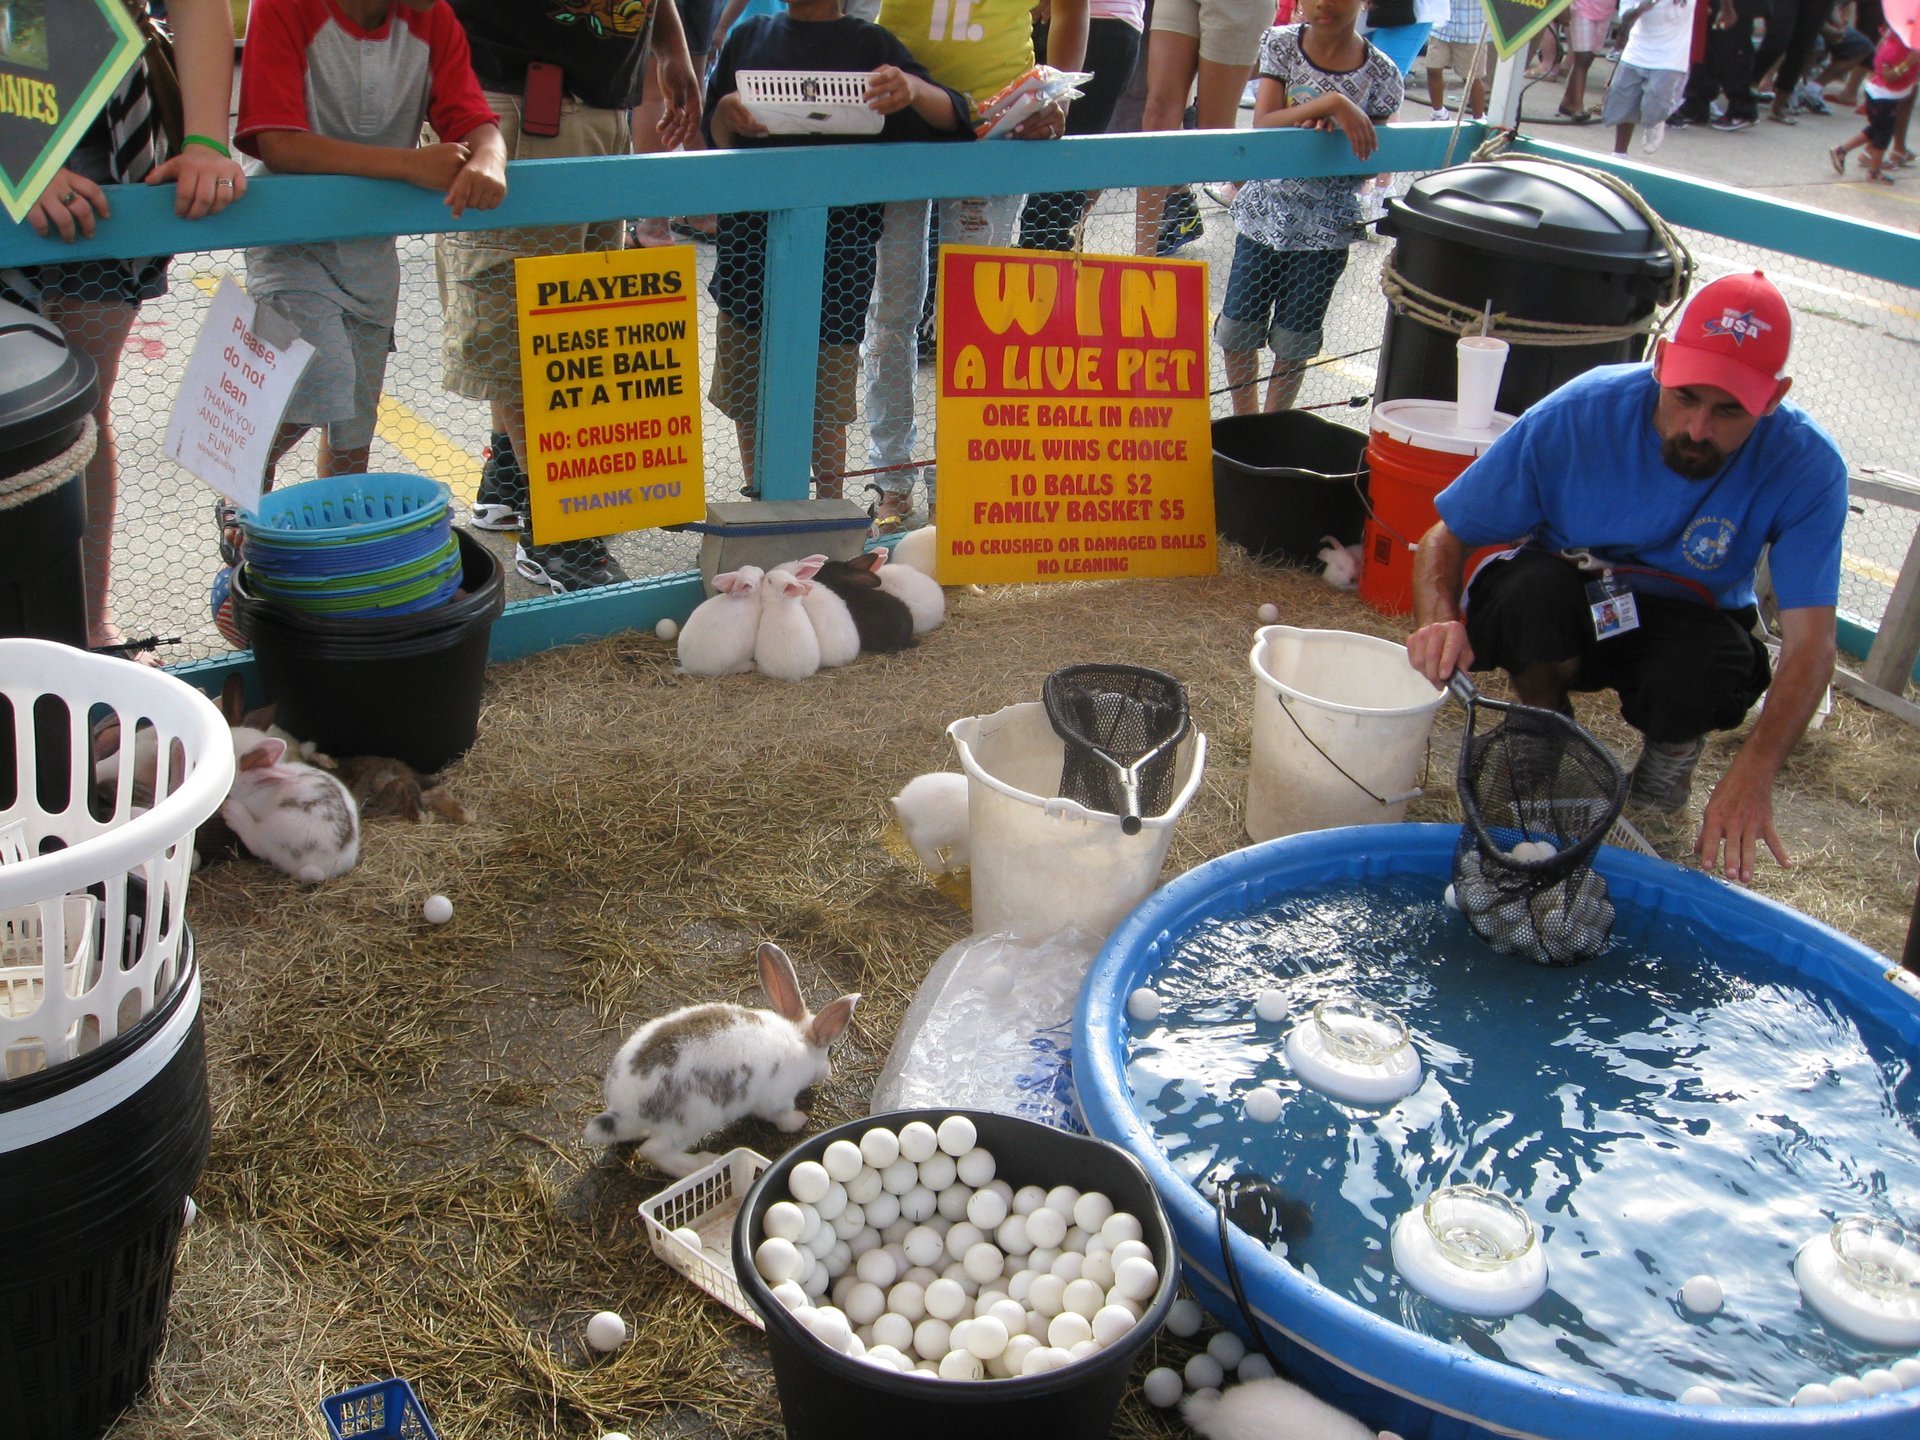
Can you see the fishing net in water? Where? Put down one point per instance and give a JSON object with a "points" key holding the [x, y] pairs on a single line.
{"points": [[1122, 725], [1539, 795]]}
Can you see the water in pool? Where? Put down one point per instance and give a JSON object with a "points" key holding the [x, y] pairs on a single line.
{"points": [[1664, 1111]]}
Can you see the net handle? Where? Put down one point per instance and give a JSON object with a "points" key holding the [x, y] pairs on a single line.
{"points": [[1130, 777], [1401, 799]]}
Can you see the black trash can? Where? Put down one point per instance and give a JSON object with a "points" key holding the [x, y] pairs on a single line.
{"points": [[1281, 481], [47, 390], [1541, 243]]}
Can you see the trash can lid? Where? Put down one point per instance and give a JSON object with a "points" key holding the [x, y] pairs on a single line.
{"points": [[1531, 211], [46, 389], [1434, 425]]}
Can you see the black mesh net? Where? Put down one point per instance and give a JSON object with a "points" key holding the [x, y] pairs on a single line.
{"points": [[1122, 725], [1539, 795]]}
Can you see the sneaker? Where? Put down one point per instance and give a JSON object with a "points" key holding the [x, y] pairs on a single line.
{"points": [[1441, 114], [1837, 157], [569, 566], [1735, 122], [1250, 94], [1652, 138], [1812, 101], [1180, 223], [501, 501], [1662, 778]]}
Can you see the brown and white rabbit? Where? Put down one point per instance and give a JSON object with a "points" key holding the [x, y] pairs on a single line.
{"points": [[884, 621], [833, 623], [718, 636], [298, 819], [688, 1074], [921, 594], [785, 646]]}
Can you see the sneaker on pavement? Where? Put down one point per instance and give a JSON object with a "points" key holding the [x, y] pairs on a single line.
{"points": [[501, 501], [1652, 138], [1662, 778], [569, 566], [1735, 122], [1250, 93], [1180, 223], [1440, 114]]}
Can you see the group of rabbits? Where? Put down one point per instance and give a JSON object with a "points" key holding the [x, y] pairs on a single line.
{"points": [[801, 616]]}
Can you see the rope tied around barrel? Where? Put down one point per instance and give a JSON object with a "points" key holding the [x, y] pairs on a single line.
{"points": [[48, 476], [1437, 312]]}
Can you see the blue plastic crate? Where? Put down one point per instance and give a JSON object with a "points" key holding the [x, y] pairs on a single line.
{"points": [[384, 1410]]}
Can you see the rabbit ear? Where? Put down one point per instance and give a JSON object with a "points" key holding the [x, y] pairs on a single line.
{"points": [[268, 752], [782, 985], [726, 582], [233, 699], [869, 560], [831, 1022], [806, 569]]}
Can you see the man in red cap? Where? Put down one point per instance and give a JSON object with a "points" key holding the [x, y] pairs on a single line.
{"points": [[1639, 500]]}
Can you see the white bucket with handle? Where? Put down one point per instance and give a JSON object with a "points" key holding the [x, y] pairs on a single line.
{"points": [[1042, 863], [1340, 726]]}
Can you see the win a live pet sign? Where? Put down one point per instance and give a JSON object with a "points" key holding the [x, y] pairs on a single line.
{"points": [[1075, 434], [610, 370]]}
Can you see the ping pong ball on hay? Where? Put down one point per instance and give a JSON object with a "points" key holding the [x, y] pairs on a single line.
{"points": [[666, 628], [438, 909], [1269, 613], [606, 1331]]}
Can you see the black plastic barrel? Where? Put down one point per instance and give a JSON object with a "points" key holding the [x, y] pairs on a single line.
{"points": [[97, 1158], [1541, 243], [46, 392], [404, 686], [1281, 481], [825, 1395]]}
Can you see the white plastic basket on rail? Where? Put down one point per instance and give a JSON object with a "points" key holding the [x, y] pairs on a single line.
{"points": [[106, 770], [809, 102], [706, 1201]]}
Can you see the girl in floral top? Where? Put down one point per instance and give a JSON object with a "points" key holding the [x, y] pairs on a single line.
{"points": [[1294, 232]]}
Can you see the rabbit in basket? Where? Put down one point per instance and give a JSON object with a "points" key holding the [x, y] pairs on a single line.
{"points": [[698, 1070], [297, 818], [719, 635], [1269, 1409], [785, 644], [884, 621], [832, 621]]}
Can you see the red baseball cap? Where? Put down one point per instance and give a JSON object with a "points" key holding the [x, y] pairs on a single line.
{"points": [[1734, 334]]}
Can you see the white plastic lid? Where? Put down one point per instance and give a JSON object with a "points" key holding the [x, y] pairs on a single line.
{"points": [[1433, 425]]}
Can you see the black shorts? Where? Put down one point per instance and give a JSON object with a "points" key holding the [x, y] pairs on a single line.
{"points": [[1688, 668]]}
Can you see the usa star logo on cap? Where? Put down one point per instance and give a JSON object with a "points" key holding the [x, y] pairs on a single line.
{"points": [[1740, 324]]}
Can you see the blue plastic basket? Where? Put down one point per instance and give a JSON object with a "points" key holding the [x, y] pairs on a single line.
{"points": [[379, 552], [384, 1410], [347, 509]]}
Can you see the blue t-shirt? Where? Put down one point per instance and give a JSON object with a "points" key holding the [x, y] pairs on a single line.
{"points": [[1582, 468]]}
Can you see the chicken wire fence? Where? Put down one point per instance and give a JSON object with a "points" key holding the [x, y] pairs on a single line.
{"points": [[874, 399]]}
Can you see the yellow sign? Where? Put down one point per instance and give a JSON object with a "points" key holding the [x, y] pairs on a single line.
{"points": [[610, 368], [1075, 435]]}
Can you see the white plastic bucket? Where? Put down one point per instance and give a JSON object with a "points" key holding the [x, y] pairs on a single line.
{"points": [[1340, 724], [1041, 863]]}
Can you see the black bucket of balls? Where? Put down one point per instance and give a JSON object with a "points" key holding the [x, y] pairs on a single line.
{"points": [[992, 1332]]}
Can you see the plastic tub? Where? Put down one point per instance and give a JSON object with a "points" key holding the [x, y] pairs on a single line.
{"points": [[404, 686], [1340, 725], [825, 1395], [1415, 449], [1284, 480], [1041, 863]]}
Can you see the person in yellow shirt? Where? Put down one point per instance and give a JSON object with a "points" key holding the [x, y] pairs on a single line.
{"points": [[977, 50]]}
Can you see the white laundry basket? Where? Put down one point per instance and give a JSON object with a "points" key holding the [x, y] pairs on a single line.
{"points": [[96, 852], [1041, 863]]}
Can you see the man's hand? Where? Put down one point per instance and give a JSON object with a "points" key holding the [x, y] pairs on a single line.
{"points": [[1738, 819], [681, 90], [1439, 649]]}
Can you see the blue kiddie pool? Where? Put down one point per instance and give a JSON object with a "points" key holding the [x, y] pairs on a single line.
{"points": [[1688, 1122]]}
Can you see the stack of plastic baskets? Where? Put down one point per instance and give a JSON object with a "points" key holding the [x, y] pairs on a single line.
{"points": [[378, 544], [106, 770]]}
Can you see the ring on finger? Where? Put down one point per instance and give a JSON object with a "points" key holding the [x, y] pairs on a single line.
{"points": [[68, 198], [223, 184]]}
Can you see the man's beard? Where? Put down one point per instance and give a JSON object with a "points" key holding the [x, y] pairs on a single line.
{"points": [[1693, 460]]}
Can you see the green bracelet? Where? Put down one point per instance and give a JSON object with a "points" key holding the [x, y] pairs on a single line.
{"points": [[209, 142]]}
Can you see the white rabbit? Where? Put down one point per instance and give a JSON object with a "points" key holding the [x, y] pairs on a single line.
{"points": [[921, 593], [785, 645], [693, 1072], [298, 819], [832, 621], [1270, 1409], [918, 549], [933, 813], [1341, 562], [719, 635]]}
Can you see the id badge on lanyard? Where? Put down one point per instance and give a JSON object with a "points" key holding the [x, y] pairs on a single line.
{"points": [[1611, 605]]}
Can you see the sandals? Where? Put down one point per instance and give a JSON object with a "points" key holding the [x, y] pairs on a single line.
{"points": [[1577, 117], [1839, 158]]}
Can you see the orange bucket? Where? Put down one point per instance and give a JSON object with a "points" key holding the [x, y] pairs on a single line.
{"points": [[1414, 451]]}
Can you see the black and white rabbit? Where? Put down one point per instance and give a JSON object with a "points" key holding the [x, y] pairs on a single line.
{"points": [[884, 621], [297, 818], [688, 1074]]}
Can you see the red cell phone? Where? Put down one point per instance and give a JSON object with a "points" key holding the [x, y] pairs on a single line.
{"points": [[540, 100]]}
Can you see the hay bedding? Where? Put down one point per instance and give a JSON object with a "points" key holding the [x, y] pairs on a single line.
{"points": [[398, 1184]]}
